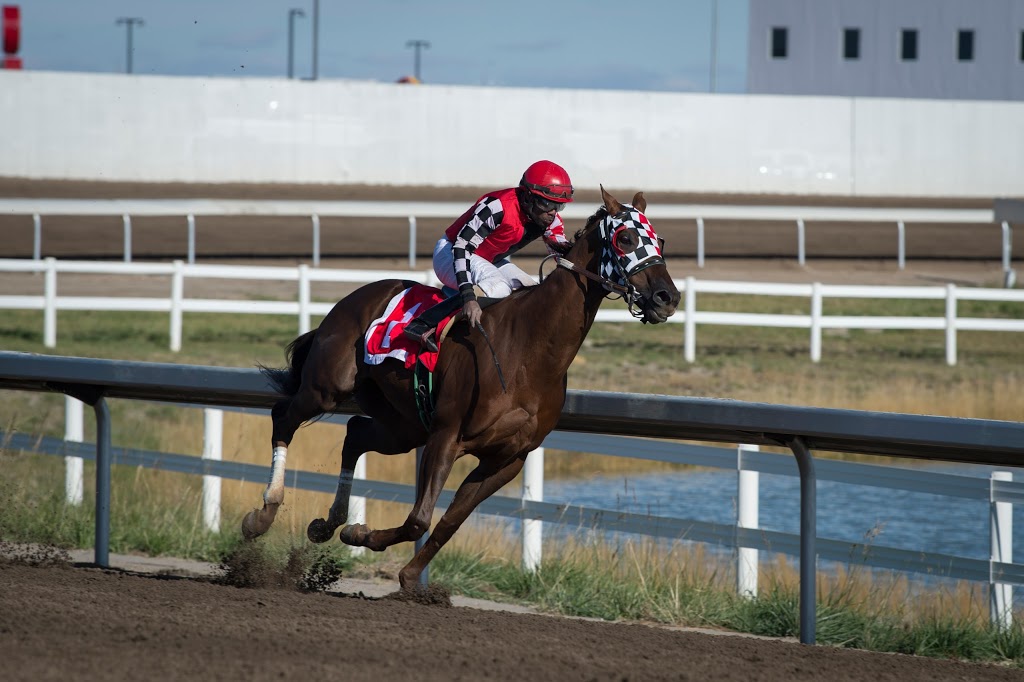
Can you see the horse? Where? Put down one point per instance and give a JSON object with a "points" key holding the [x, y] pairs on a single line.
{"points": [[535, 333]]}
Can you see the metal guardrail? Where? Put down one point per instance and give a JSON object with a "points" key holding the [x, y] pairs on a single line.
{"points": [[801, 429]]}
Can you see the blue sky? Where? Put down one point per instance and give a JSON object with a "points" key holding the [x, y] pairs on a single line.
{"points": [[641, 45]]}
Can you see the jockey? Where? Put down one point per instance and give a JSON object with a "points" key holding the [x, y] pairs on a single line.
{"points": [[476, 247]]}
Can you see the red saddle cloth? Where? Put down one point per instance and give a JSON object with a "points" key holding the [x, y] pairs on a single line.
{"points": [[384, 338]]}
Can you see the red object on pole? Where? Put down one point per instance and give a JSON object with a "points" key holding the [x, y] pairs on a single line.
{"points": [[11, 29]]}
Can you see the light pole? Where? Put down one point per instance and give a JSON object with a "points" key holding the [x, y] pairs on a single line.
{"points": [[316, 39], [292, 13], [129, 22], [714, 45], [417, 45]]}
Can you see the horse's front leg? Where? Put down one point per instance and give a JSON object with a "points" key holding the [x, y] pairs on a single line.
{"points": [[439, 454], [480, 484]]}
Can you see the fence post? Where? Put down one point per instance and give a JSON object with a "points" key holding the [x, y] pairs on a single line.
{"points": [[37, 237], [533, 529], [747, 509], [901, 245], [816, 322], [1001, 525], [412, 242], [74, 431], [213, 438], [191, 239], [357, 503], [689, 322], [127, 219], [700, 242], [951, 324], [50, 304], [304, 323], [316, 240], [801, 242], [1009, 276], [177, 296]]}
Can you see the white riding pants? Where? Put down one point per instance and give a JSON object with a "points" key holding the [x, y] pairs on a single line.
{"points": [[496, 280]]}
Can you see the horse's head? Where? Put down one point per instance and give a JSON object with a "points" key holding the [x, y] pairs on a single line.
{"points": [[631, 261]]}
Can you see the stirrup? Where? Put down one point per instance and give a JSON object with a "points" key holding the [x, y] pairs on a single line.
{"points": [[425, 338]]}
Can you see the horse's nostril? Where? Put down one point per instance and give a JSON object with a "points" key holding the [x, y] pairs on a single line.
{"points": [[662, 296]]}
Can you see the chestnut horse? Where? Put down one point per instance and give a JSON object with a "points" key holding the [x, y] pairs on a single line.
{"points": [[536, 332]]}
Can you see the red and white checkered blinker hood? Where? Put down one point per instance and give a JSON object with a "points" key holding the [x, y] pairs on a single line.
{"points": [[620, 259]]}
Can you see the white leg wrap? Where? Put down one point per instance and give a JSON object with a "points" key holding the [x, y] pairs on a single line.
{"points": [[276, 486]]}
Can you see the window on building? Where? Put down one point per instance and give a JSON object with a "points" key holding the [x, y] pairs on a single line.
{"points": [[851, 43], [780, 42], [965, 45], [908, 44]]}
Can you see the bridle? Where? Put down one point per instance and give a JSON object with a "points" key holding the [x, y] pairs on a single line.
{"points": [[620, 265]]}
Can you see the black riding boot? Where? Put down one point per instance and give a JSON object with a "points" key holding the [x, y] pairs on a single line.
{"points": [[422, 328]]}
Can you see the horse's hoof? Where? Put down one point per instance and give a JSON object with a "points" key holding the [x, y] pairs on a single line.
{"points": [[250, 529], [354, 535], [319, 531]]}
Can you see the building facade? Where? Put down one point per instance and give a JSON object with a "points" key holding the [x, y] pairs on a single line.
{"points": [[931, 49]]}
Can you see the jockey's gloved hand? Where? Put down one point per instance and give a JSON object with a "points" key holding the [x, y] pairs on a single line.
{"points": [[472, 312]]}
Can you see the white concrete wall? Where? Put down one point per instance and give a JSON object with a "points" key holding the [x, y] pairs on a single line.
{"points": [[166, 129]]}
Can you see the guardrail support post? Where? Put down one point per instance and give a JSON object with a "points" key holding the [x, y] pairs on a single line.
{"points": [[316, 240], [127, 219], [690, 322], [213, 438], [747, 507], [50, 304], [412, 242], [808, 539], [103, 461], [37, 237], [74, 432], [801, 242], [700, 242], [901, 244], [425, 575], [1001, 532], [533, 529], [191, 239]]}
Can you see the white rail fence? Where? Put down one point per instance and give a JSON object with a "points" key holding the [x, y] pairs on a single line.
{"points": [[746, 460], [304, 308], [190, 208]]}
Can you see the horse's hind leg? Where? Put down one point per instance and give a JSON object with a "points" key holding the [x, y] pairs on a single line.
{"points": [[438, 456], [364, 435], [288, 415], [481, 483]]}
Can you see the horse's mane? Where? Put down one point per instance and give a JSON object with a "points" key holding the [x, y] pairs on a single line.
{"points": [[591, 221]]}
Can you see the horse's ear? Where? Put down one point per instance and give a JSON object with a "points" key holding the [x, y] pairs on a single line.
{"points": [[611, 204], [639, 203]]}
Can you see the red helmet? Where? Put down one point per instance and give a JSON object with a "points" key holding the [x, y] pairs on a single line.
{"points": [[549, 180]]}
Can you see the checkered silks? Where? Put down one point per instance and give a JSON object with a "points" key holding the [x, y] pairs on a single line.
{"points": [[615, 265]]}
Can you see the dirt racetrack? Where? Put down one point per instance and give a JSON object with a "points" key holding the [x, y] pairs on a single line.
{"points": [[82, 623]]}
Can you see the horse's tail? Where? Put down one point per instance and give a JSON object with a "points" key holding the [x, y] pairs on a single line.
{"points": [[286, 381]]}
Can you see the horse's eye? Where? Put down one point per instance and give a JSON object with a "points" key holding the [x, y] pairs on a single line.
{"points": [[625, 240]]}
